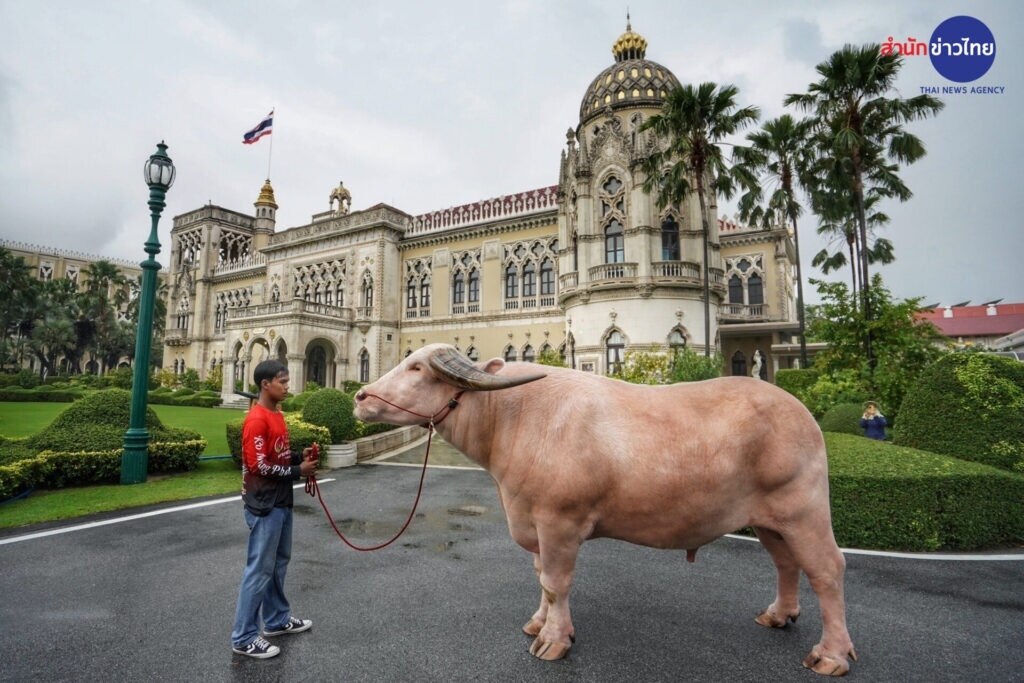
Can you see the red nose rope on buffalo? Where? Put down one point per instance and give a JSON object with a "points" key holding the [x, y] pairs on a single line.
{"points": [[313, 489]]}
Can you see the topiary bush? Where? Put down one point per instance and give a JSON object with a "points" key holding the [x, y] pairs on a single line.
{"points": [[98, 422], [969, 406], [895, 498], [843, 418], [332, 409], [301, 435]]}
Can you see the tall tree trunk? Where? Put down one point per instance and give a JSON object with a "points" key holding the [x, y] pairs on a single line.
{"points": [[704, 240], [862, 226], [799, 294]]}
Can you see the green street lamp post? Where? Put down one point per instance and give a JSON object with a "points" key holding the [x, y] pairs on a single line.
{"points": [[159, 173]]}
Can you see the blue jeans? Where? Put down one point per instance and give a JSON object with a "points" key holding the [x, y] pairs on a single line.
{"points": [[270, 548]]}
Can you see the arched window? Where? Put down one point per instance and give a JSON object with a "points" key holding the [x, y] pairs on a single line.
{"points": [[755, 289], [410, 293], [408, 352], [275, 294], [735, 290], [529, 279], [669, 239], [739, 364], [575, 253], [364, 366], [425, 292], [511, 282], [547, 277], [528, 354], [510, 353], [472, 354], [458, 288], [614, 348], [614, 243], [474, 286], [367, 291], [339, 295]]}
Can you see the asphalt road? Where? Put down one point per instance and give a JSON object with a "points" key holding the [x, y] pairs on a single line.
{"points": [[153, 599]]}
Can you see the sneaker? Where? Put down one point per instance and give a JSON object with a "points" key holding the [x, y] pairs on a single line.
{"points": [[293, 626], [259, 648]]}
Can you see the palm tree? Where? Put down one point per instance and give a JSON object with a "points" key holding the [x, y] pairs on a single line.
{"points": [[840, 224], [692, 127], [862, 128], [103, 295], [17, 289], [779, 153]]}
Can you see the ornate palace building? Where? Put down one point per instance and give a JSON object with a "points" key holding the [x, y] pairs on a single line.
{"points": [[590, 268]]}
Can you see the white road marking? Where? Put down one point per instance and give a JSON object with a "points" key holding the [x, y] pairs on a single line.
{"points": [[129, 518]]}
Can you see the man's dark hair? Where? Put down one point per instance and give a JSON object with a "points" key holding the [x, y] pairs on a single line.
{"points": [[268, 370]]}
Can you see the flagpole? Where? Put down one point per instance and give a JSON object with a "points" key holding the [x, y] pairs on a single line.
{"points": [[270, 154]]}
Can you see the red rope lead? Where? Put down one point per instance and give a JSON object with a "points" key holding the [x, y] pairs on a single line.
{"points": [[313, 489]]}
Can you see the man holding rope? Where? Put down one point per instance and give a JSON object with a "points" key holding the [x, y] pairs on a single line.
{"points": [[268, 470]]}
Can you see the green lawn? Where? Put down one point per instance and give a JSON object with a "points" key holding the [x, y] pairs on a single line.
{"points": [[216, 477], [25, 419]]}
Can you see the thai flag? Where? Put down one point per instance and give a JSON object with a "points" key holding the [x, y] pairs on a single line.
{"points": [[265, 127]]}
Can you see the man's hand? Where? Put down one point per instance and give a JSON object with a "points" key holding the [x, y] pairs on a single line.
{"points": [[308, 467]]}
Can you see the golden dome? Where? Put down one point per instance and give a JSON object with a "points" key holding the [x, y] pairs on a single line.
{"points": [[266, 197], [629, 45], [632, 81]]}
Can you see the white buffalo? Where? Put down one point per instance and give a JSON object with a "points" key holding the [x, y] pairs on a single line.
{"points": [[576, 456]]}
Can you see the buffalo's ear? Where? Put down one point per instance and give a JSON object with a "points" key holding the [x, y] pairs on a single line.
{"points": [[493, 366]]}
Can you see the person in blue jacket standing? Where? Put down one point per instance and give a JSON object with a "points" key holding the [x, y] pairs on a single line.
{"points": [[873, 422]]}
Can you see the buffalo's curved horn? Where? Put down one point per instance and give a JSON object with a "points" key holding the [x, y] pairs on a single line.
{"points": [[460, 371]]}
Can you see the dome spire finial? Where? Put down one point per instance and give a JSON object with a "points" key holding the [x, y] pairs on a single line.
{"points": [[630, 45]]}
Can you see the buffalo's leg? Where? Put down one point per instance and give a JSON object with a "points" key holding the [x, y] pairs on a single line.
{"points": [[536, 622], [558, 552], [815, 550], [786, 606]]}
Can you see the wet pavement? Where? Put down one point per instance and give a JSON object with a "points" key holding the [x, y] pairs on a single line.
{"points": [[152, 599]]}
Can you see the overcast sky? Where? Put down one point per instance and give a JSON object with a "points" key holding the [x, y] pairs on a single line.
{"points": [[425, 105]]}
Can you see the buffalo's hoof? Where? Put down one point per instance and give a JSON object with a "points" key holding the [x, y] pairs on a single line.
{"points": [[533, 627], [549, 651], [828, 665], [773, 619]]}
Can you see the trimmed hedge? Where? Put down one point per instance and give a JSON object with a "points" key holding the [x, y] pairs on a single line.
{"points": [[42, 394], [895, 498], [332, 409], [796, 381], [970, 406], [52, 469], [301, 435], [843, 418]]}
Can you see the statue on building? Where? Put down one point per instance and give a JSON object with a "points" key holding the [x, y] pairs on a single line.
{"points": [[756, 371], [343, 197]]}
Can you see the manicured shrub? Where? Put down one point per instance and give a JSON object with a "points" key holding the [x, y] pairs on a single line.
{"points": [[301, 435], [332, 409], [98, 422], [796, 381], [895, 498], [121, 378], [843, 418], [970, 406], [27, 379], [190, 379]]}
